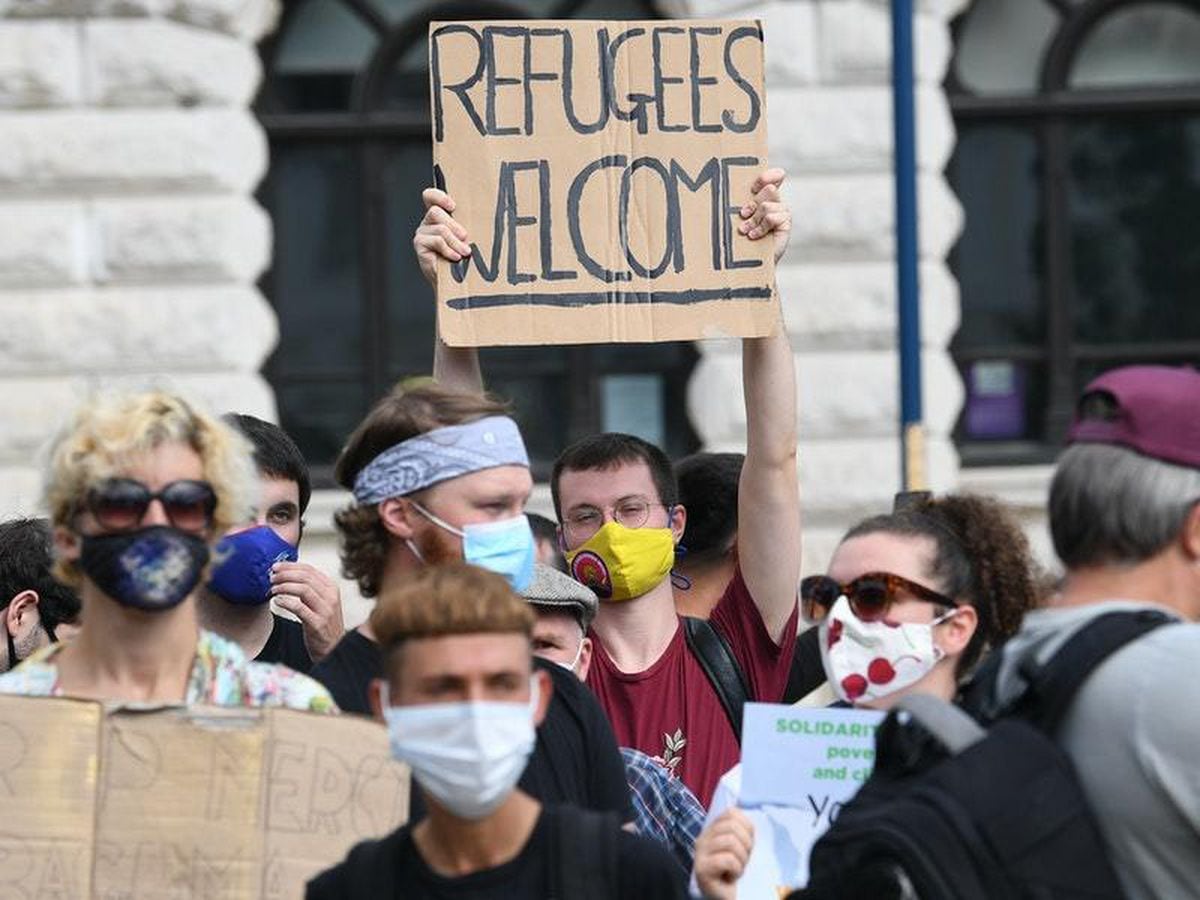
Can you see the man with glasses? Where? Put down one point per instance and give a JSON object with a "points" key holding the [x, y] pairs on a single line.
{"points": [[621, 519]]}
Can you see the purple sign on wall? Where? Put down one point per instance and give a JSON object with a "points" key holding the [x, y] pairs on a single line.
{"points": [[995, 400]]}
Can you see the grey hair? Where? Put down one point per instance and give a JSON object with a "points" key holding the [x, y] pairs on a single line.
{"points": [[1111, 505]]}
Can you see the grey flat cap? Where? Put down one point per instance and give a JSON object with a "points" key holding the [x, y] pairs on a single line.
{"points": [[553, 588]]}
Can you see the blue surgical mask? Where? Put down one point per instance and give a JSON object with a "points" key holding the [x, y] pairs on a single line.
{"points": [[242, 574], [505, 547]]}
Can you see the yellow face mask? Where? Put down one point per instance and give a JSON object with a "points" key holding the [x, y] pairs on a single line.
{"points": [[620, 563]]}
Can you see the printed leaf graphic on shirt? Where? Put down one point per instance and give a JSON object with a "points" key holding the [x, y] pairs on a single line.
{"points": [[673, 745]]}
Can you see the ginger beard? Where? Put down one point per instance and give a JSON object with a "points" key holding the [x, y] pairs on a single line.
{"points": [[437, 546]]}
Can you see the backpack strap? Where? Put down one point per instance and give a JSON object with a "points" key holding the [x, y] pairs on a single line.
{"points": [[1053, 685], [583, 861], [1050, 687], [953, 728], [721, 667]]}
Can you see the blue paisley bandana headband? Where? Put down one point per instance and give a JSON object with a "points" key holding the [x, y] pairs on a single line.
{"points": [[439, 455]]}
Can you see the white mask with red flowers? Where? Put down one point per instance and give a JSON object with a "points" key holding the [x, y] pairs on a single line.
{"points": [[869, 660]]}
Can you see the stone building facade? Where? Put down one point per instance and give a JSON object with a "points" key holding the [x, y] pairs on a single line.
{"points": [[131, 241]]}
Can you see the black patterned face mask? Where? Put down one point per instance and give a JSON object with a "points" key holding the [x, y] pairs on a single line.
{"points": [[152, 568]]}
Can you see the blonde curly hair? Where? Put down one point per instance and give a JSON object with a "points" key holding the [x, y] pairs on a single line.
{"points": [[106, 435]]}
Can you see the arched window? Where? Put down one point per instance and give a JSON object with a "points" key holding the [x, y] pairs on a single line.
{"points": [[1078, 164], [345, 104]]}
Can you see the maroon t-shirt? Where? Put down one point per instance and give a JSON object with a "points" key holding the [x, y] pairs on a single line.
{"points": [[671, 711]]}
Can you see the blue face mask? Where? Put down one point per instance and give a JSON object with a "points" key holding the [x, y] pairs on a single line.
{"points": [[242, 574], [505, 547]]}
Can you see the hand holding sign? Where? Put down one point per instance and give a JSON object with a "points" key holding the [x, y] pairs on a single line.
{"points": [[722, 851], [439, 236], [766, 213]]}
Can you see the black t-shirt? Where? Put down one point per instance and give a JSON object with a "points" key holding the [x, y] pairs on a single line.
{"points": [[286, 645], [347, 671], [393, 868], [575, 760]]}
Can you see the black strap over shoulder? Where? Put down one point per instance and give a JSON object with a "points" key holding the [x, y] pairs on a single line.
{"points": [[583, 862], [721, 667], [1051, 686]]}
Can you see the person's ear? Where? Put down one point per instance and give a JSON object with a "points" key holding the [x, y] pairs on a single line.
{"points": [[66, 544], [21, 615], [396, 514], [956, 632], [1191, 535], [375, 689], [545, 692], [585, 659], [677, 521]]}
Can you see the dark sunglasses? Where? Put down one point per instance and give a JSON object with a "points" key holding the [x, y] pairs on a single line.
{"points": [[870, 595], [120, 504]]}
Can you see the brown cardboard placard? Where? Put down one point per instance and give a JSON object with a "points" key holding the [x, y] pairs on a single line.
{"points": [[220, 804], [325, 787], [598, 168], [49, 762]]}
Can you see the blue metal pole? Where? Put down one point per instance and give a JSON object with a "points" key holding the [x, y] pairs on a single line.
{"points": [[908, 286]]}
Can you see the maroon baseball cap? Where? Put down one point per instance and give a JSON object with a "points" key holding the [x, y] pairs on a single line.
{"points": [[1155, 410]]}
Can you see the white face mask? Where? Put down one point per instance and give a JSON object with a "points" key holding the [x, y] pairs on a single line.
{"points": [[870, 660], [466, 756]]}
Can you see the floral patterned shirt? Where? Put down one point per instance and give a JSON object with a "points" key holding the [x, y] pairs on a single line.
{"points": [[221, 676]]}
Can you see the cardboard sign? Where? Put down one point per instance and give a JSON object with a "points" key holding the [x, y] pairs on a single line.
{"points": [[185, 803], [799, 766], [598, 168]]}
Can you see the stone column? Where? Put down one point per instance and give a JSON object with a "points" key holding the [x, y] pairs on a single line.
{"points": [[830, 125], [130, 241]]}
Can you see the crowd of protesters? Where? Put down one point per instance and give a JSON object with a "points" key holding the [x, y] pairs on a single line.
{"points": [[556, 687]]}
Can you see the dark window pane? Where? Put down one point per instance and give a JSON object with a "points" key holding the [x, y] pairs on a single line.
{"points": [[407, 85], [540, 408], [313, 193], [410, 307], [323, 47], [1134, 209], [998, 259], [320, 416]]}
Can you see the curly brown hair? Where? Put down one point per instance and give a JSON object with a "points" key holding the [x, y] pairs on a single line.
{"points": [[982, 558], [413, 407]]}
